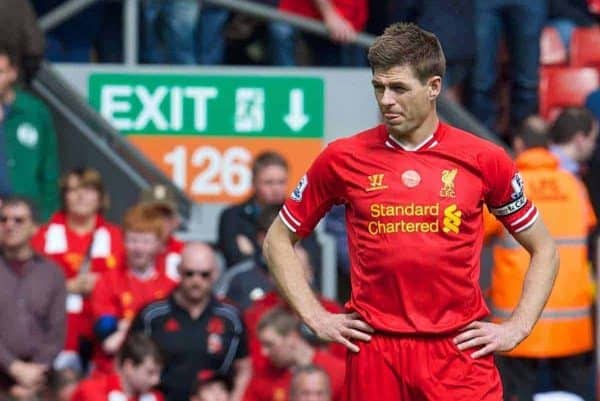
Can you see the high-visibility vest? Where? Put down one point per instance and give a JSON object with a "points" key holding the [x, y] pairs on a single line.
{"points": [[565, 326]]}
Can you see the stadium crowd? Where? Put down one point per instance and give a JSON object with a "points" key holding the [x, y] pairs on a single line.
{"points": [[93, 310]]}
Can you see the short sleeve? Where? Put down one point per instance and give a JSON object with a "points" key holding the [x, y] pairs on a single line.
{"points": [[505, 191], [319, 189]]}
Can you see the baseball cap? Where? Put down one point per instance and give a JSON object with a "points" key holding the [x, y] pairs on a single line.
{"points": [[160, 195]]}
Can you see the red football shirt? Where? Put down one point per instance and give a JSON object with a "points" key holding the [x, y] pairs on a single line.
{"points": [[414, 222], [121, 294], [259, 308], [67, 249], [355, 11], [273, 384], [109, 388]]}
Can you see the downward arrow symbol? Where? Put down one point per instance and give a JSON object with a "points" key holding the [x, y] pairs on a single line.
{"points": [[296, 119]]}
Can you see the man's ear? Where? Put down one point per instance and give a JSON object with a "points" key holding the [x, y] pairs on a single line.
{"points": [[434, 87]]}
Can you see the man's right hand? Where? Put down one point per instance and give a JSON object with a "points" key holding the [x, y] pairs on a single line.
{"points": [[27, 374], [341, 328], [340, 29]]}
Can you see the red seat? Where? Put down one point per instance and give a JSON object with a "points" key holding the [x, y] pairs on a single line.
{"points": [[552, 48], [565, 86], [585, 47]]}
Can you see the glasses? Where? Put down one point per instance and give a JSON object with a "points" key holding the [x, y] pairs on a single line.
{"points": [[17, 220], [191, 273]]}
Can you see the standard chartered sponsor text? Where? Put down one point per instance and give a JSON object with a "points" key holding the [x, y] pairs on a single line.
{"points": [[428, 214]]}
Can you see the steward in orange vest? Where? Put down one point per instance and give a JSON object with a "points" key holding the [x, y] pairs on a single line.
{"points": [[565, 326]]}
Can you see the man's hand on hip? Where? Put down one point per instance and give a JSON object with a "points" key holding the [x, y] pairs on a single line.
{"points": [[489, 337], [341, 328]]}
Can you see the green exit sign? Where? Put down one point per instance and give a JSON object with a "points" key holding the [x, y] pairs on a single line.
{"points": [[211, 105]]}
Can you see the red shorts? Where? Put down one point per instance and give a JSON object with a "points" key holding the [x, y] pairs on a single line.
{"points": [[404, 368]]}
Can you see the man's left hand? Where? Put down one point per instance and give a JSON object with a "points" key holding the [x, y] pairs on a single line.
{"points": [[490, 337]]}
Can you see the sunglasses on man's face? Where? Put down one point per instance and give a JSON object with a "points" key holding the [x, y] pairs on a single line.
{"points": [[191, 273], [17, 220]]}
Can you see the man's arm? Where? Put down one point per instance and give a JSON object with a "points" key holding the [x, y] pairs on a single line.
{"points": [[340, 29], [539, 280], [54, 339], [288, 274], [243, 374]]}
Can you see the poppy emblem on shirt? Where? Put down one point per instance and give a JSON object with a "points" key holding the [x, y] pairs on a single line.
{"points": [[448, 177], [411, 178], [376, 183], [205, 374], [214, 343], [216, 326], [172, 325]]}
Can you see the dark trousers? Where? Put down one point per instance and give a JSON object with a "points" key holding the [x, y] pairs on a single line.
{"points": [[520, 375]]}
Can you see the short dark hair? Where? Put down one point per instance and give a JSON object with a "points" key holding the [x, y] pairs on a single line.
{"points": [[10, 52], [202, 380], [266, 217], [16, 200], [406, 44], [137, 347], [282, 321], [571, 121], [266, 159]]}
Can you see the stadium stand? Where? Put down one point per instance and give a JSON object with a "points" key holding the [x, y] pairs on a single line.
{"points": [[585, 47], [567, 86]]}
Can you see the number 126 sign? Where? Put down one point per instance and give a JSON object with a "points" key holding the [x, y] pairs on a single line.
{"points": [[204, 131]]}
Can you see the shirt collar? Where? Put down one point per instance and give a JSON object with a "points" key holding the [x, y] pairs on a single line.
{"points": [[429, 143]]}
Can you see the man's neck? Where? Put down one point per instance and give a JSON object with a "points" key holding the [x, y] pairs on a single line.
{"points": [[420, 134], [127, 389], [144, 273], [81, 224], [567, 150], [194, 308], [19, 254]]}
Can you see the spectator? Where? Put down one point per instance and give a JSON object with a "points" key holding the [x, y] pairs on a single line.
{"points": [[168, 31], [32, 317], [161, 200], [522, 22], [592, 179], [237, 224], [453, 22], [310, 383], [19, 29], [28, 153], [139, 364], [566, 15], [286, 349], [120, 294], [195, 331], [574, 135], [210, 387], [210, 36], [272, 300], [248, 281], [72, 40], [84, 245], [62, 384], [566, 342], [344, 19]]}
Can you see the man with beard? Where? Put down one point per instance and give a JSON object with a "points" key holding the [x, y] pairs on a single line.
{"points": [[196, 332]]}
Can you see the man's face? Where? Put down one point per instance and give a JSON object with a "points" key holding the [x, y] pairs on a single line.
{"points": [[403, 100], [81, 200], [141, 249], [16, 226], [270, 185], [311, 387], [276, 348], [8, 75], [143, 377], [198, 273]]}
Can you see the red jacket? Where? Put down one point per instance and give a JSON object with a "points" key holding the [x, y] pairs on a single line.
{"points": [[355, 11]]}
